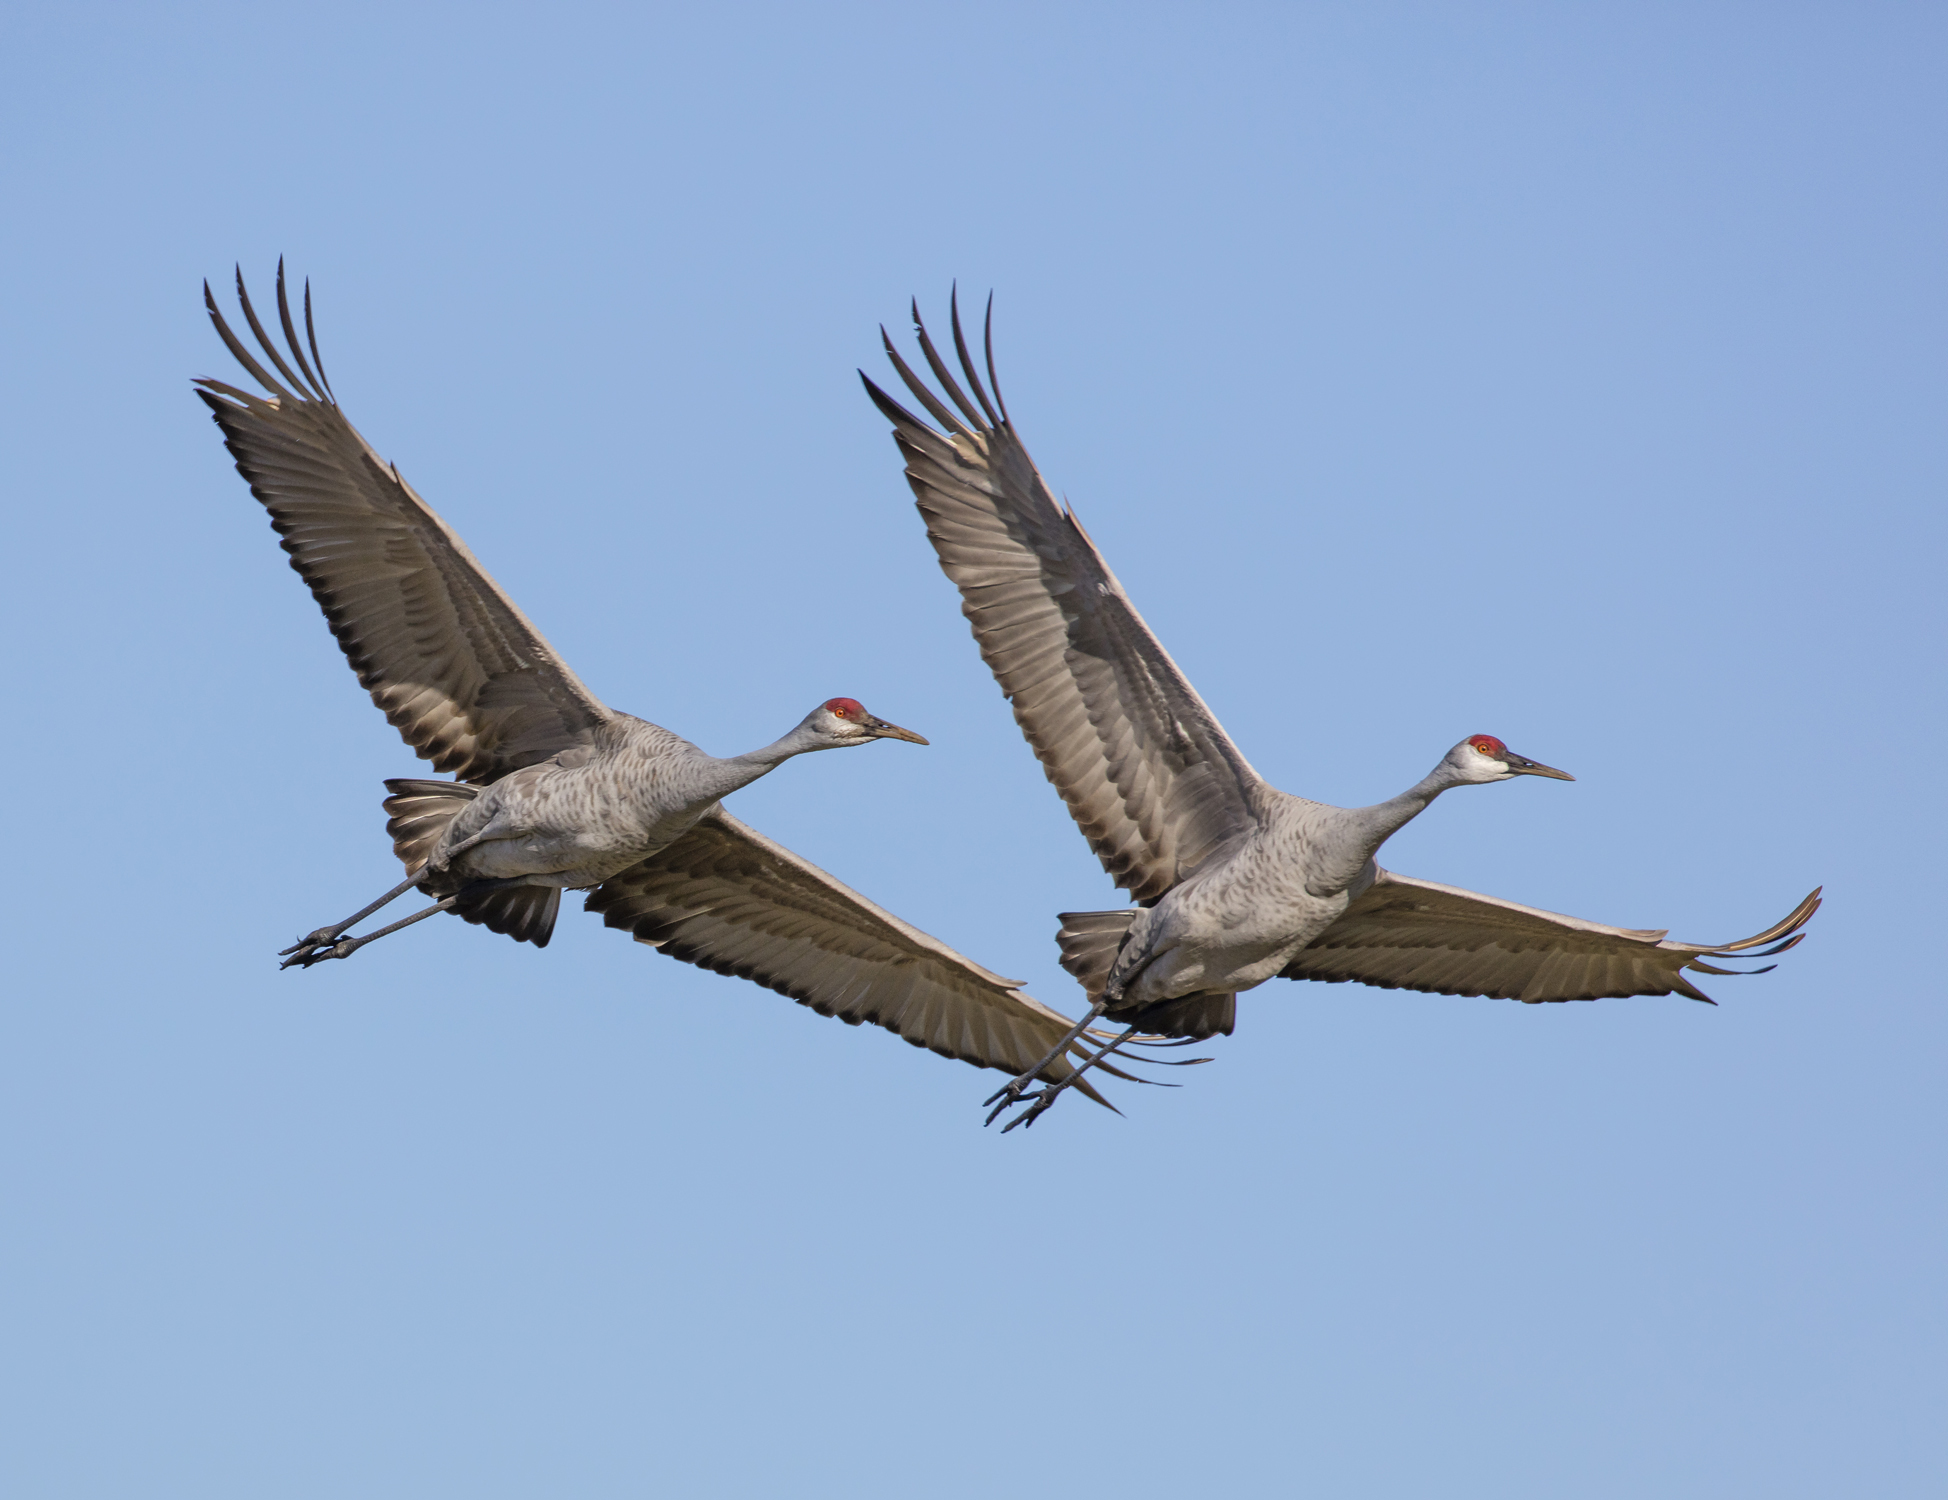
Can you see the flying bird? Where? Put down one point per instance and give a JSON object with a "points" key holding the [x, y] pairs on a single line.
{"points": [[552, 789], [1234, 881]]}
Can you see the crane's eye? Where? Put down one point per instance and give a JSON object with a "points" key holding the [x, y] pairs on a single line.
{"points": [[840, 712]]}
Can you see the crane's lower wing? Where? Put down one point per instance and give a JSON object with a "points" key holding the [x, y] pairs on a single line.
{"points": [[1407, 934], [1148, 773], [459, 671], [727, 898]]}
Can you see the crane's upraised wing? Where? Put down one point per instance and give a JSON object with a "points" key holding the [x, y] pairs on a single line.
{"points": [[1407, 934], [726, 898], [447, 657], [1146, 770]]}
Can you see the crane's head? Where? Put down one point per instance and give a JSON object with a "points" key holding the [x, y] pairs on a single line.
{"points": [[838, 722], [1483, 758]]}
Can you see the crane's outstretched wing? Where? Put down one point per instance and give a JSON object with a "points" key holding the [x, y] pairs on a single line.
{"points": [[1146, 770], [1407, 934], [450, 661], [725, 897]]}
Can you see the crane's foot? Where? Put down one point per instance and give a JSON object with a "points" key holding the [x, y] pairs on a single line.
{"points": [[1043, 1099], [308, 953], [304, 952], [1038, 1103], [1016, 1092], [1007, 1097], [1016, 1088], [326, 943]]}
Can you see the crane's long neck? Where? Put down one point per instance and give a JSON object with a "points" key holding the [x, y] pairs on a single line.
{"points": [[1362, 830], [722, 777]]}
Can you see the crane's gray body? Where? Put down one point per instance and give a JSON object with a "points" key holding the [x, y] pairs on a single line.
{"points": [[1239, 920], [1242, 916], [592, 811]]}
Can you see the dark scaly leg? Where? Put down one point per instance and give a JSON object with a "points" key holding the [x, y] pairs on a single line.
{"points": [[1011, 1092], [346, 947], [300, 951], [1045, 1096]]}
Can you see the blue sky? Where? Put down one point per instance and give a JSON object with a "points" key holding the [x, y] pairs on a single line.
{"points": [[1568, 373]]}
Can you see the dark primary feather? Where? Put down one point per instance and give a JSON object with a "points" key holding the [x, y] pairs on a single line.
{"points": [[468, 682], [1147, 772], [1409, 934], [726, 898]]}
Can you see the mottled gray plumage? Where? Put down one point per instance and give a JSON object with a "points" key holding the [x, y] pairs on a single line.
{"points": [[1236, 881], [555, 790]]}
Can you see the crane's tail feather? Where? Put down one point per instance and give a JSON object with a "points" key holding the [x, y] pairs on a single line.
{"points": [[417, 813], [1090, 941]]}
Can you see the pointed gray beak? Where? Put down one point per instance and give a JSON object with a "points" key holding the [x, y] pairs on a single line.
{"points": [[1524, 767], [880, 729]]}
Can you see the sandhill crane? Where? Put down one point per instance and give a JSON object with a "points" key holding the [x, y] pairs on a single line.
{"points": [[553, 789], [1235, 881]]}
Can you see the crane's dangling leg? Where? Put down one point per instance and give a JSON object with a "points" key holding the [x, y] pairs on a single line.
{"points": [[1048, 1093], [1011, 1093], [344, 947], [300, 951]]}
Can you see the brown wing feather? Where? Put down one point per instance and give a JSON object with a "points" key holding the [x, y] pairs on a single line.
{"points": [[728, 899], [1409, 934], [1147, 772], [456, 668]]}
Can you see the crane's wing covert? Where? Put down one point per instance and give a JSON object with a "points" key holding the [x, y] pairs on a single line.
{"points": [[448, 658], [726, 898], [1407, 934], [1146, 770]]}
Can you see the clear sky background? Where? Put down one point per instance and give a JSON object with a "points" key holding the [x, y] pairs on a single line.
{"points": [[1569, 373]]}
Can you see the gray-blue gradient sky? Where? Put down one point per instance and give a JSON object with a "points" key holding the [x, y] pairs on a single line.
{"points": [[1569, 373]]}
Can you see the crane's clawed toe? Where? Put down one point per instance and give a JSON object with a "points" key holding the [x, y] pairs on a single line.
{"points": [[1037, 1103], [304, 953], [1005, 1099], [323, 944], [316, 939], [314, 950]]}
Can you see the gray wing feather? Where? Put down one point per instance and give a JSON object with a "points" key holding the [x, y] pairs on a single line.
{"points": [[456, 668], [726, 898], [1148, 774], [1402, 933]]}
